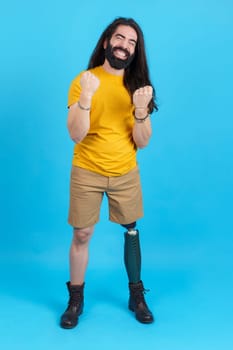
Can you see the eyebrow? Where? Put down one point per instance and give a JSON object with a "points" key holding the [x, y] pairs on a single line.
{"points": [[122, 36]]}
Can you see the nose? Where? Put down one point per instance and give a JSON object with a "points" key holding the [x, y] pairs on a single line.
{"points": [[124, 44]]}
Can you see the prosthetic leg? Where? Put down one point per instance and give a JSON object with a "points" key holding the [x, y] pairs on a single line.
{"points": [[132, 253], [132, 260]]}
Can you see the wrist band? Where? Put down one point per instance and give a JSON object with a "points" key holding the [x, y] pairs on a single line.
{"points": [[141, 120], [83, 108]]}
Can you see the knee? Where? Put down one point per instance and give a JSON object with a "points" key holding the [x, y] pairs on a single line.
{"points": [[82, 235]]}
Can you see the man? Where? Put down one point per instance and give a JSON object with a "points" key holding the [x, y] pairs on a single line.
{"points": [[109, 118]]}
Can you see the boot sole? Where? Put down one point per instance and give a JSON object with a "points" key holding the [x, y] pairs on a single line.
{"points": [[68, 327], [144, 322]]}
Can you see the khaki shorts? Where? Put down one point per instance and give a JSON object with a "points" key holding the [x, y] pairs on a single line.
{"points": [[87, 190]]}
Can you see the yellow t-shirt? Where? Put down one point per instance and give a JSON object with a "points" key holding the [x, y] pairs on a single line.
{"points": [[108, 148]]}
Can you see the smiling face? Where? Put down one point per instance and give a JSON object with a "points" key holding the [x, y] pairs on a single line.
{"points": [[120, 50]]}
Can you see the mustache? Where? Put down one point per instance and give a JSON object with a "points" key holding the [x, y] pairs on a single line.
{"points": [[122, 49]]}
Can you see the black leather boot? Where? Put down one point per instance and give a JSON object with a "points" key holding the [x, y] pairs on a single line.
{"points": [[138, 304], [75, 306]]}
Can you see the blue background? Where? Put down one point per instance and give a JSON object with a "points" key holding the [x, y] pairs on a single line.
{"points": [[187, 172]]}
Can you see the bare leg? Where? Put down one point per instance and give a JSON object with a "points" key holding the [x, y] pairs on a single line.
{"points": [[79, 254], [78, 265]]}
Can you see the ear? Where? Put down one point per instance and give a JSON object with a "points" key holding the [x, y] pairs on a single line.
{"points": [[105, 44]]}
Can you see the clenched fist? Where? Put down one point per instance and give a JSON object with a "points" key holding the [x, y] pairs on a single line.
{"points": [[142, 97], [89, 83]]}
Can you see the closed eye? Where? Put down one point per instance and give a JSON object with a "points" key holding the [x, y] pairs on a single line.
{"points": [[131, 42]]}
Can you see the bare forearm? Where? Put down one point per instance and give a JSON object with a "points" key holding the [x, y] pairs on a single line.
{"points": [[79, 113], [79, 120], [142, 133], [142, 126]]}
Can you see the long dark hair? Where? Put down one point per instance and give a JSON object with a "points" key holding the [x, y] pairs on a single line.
{"points": [[137, 74]]}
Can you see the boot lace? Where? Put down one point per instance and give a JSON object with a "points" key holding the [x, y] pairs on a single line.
{"points": [[75, 298], [139, 296]]}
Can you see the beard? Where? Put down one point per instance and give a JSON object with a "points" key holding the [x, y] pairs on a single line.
{"points": [[116, 62]]}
